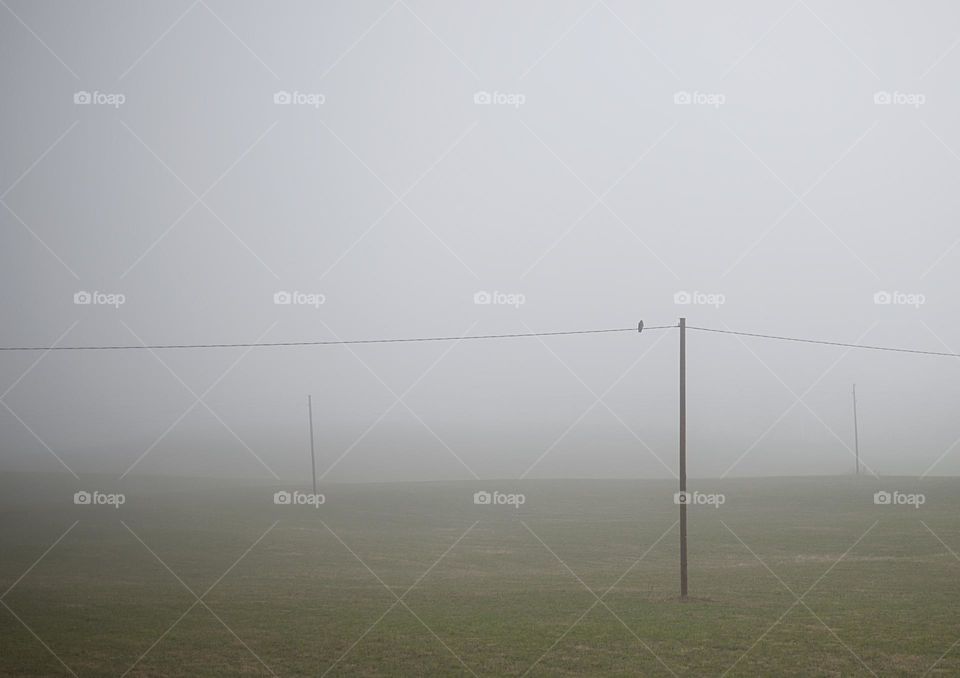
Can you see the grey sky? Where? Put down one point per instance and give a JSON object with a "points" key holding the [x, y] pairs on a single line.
{"points": [[814, 166]]}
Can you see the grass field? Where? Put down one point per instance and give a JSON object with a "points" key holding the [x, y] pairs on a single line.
{"points": [[415, 579]]}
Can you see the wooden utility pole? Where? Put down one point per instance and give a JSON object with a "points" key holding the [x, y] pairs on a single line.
{"points": [[683, 458], [313, 461], [856, 433]]}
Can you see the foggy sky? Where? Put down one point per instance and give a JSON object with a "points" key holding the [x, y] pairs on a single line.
{"points": [[584, 187]]}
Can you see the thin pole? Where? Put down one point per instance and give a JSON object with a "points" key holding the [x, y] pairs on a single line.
{"points": [[683, 457], [856, 432], [313, 461]]}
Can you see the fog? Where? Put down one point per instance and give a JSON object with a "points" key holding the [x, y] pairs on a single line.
{"points": [[583, 163]]}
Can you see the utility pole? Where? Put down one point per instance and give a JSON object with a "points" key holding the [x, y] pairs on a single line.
{"points": [[856, 433], [313, 460], [683, 458]]}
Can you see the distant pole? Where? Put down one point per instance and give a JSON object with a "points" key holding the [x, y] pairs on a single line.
{"points": [[856, 432], [313, 460], [683, 457]]}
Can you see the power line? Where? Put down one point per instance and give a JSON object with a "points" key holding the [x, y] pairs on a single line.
{"points": [[408, 340], [338, 342], [825, 342]]}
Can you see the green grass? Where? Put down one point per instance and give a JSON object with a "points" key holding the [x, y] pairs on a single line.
{"points": [[499, 602]]}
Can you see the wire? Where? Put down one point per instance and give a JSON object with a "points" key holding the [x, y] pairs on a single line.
{"points": [[159, 347], [825, 342]]}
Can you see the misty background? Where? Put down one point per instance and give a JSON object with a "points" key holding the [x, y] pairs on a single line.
{"points": [[785, 188]]}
